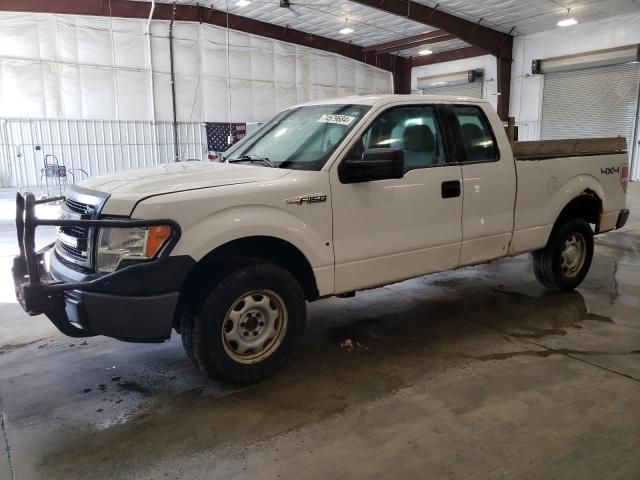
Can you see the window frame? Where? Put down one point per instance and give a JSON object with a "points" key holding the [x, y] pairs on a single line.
{"points": [[439, 114], [456, 131]]}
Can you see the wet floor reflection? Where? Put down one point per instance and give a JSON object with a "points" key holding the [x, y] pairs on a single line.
{"points": [[411, 340]]}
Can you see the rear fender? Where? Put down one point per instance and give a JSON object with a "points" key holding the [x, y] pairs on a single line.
{"points": [[580, 185]]}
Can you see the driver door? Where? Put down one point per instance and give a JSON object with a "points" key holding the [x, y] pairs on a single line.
{"points": [[390, 230]]}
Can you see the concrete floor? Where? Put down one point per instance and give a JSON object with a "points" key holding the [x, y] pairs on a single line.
{"points": [[476, 373]]}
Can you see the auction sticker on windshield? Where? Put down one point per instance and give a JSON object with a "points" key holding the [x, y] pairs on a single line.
{"points": [[337, 119]]}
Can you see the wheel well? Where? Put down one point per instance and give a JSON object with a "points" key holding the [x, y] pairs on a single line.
{"points": [[587, 205], [236, 253]]}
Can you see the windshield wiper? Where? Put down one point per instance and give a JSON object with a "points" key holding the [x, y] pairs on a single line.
{"points": [[252, 159]]}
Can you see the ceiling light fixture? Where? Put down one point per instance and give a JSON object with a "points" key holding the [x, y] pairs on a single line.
{"points": [[242, 3], [346, 31], [425, 52], [567, 22]]}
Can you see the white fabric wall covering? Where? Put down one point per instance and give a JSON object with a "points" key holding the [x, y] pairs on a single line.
{"points": [[97, 68], [95, 146], [77, 72]]}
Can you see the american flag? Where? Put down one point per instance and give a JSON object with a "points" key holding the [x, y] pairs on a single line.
{"points": [[219, 134]]}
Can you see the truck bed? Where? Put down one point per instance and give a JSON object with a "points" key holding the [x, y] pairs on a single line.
{"points": [[550, 173], [575, 147]]}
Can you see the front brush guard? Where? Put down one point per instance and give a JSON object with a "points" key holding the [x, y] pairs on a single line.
{"points": [[36, 291]]}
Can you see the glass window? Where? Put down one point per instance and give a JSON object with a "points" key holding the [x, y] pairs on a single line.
{"points": [[414, 130], [301, 138], [476, 134]]}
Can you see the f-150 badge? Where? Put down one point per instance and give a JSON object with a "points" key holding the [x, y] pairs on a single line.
{"points": [[312, 198]]}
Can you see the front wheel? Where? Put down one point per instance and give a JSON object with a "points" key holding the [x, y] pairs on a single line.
{"points": [[248, 324], [564, 263]]}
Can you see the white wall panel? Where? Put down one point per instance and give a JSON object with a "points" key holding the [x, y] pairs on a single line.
{"points": [[88, 78], [216, 105], [70, 98], [133, 84], [21, 88], [264, 99], [186, 51], [526, 89], [93, 40], [188, 99], [162, 93], [130, 44], [51, 79], [98, 93], [487, 63], [262, 59]]}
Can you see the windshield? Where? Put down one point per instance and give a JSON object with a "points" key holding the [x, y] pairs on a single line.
{"points": [[300, 138]]}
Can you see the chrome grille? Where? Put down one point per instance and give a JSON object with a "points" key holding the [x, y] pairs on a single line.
{"points": [[77, 207], [74, 243], [75, 253], [77, 232]]}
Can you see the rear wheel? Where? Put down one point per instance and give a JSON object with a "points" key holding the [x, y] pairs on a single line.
{"points": [[564, 263], [248, 324]]}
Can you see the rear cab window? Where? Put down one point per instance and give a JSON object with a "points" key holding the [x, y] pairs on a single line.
{"points": [[479, 143]]}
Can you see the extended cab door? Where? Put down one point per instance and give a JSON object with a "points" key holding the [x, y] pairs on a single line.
{"points": [[489, 183], [390, 230]]}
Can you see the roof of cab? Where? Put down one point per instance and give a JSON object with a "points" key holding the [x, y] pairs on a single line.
{"points": [[380, 100]]}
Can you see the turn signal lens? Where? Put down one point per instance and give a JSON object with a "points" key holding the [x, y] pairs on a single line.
{"points": [[156, 238]]}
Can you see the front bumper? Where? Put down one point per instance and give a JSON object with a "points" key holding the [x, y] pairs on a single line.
{"points": [[135, 303]]}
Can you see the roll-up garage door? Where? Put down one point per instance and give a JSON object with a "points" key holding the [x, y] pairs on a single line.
{"points": [[473, 89], [596, 102]]}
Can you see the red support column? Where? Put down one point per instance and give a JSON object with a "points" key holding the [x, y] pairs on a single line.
{"points": [[504, 87], [402, 75]]}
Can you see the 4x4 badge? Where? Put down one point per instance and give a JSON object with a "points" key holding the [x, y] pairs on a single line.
{"points": [[610, 170], [312, 198]]}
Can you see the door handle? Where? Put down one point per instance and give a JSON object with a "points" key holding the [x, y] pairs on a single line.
{"points": [[451, 189]]}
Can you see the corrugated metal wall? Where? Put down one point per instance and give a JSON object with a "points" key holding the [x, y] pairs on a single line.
{"points": [[594, 102], [90, 147]]}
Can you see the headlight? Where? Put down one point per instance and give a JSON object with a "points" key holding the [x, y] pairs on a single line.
{"points": [[118, 244]]}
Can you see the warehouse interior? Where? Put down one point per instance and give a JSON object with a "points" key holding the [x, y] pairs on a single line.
{"points": [[476, 372]]}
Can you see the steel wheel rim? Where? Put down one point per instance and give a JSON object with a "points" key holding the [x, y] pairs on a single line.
{"points": [[254, 326], [573, 255]]}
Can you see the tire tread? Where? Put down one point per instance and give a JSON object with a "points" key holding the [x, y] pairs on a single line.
{"points": [[200, 348], [544, 268]]}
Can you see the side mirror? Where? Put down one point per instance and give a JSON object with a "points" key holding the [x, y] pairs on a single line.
{"points": [[375, 164]]}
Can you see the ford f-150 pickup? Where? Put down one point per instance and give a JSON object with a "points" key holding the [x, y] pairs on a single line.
{"points": [[327, 198]]}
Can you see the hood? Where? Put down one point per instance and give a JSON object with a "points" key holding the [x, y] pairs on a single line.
{"points": [[180, 176], [127, 188]]}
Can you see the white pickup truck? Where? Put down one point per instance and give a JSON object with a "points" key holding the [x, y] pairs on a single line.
{"points": [[327, 198]]}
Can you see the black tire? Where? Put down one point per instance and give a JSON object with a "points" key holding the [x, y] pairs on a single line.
{"points": [[548, 262], [203, 335]]}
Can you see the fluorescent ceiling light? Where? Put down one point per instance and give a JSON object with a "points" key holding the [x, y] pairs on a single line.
{"points": [[346, 31], [567, 22], [242, 3], [425, 52]]}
